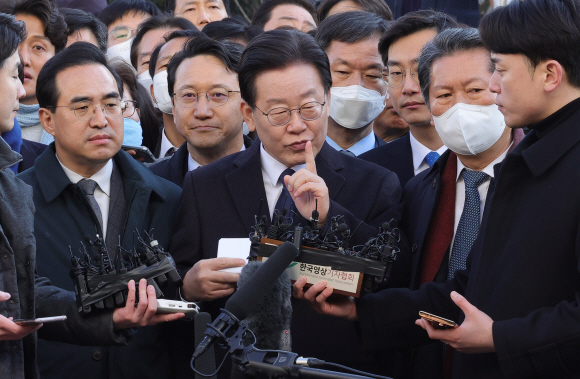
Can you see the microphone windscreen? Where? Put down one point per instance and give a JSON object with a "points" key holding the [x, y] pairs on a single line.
{"points": [[245, 299], [270, 320], [205, 363]]}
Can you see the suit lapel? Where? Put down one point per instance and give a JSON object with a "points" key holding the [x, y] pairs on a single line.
{"points": [[246, 186]]}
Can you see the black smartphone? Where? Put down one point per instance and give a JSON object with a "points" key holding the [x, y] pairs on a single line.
{"points": [[437, 321], [143, 153]]}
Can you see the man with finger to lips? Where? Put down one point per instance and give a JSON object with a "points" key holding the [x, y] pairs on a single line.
{"points": [[284, 81]]}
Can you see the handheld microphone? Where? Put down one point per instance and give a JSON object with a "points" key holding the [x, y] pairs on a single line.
{"points": [[245, 299]]}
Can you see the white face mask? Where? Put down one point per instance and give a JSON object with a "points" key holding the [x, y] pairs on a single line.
{"points": [[469, 129], [354, 106], [145, 79], [161, 92], [121, 50]]}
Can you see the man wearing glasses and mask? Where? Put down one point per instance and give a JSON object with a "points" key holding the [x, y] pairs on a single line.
{"points": [[285, 82], [206, 99], [84, 185]]}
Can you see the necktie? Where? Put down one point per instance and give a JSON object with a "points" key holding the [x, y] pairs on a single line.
{"points": [[468, 227], [88, 186], [171, 151], [348, 152], [285, 195], [431, 158]]}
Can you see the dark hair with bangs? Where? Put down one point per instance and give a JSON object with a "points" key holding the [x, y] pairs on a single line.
{"points": [[378, 7], [12, 32], [350, 27], [77, 20], [193, 33], [119, 8], [47, 13]]}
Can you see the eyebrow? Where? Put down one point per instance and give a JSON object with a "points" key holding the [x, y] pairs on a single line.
{"points": [[377, 66], [189, 86], [41, 37], [304, 94], [110, 95]]}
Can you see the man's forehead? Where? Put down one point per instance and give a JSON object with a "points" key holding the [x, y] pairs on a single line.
{"points": [[185, 3], [93, 78]]}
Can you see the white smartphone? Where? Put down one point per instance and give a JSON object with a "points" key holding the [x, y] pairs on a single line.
{"points": [[37, 321]]}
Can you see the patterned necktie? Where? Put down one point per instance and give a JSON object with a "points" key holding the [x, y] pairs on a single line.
{"points": [[348, 152], [88, 186], [431, 158], [170, 152], [285, 200], [468, 227]]}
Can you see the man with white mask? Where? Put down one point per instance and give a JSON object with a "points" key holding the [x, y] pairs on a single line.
{"points": [[358, 92], [122, 18]]}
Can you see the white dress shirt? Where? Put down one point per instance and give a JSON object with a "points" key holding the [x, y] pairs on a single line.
{"points": [[192, 163], [419, 152], [165, 145], [482, 189], [271, 171], [362, 146], [102, 191]]}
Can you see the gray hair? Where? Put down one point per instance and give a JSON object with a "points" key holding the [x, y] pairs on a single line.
{"points": [[446, 43]]}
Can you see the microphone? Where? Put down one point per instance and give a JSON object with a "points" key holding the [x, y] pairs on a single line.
{"points": [[207, 363], [245, 299], [270, 320]]}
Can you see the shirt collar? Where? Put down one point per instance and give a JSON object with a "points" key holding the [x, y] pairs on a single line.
{"points": [[192, 163], [420, 151], [362, 146], [165, 145], [102, 177], [272, 167], [488, 169]]}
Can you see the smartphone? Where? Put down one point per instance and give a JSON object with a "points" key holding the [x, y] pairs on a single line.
{"points": [[37, 321], [436, 321], [143, 153]]}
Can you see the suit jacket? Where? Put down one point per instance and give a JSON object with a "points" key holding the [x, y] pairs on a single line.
{"points": [[221, 199], [30, 151], [396, 156], [62, 220], [523, 270], [175, 167]]}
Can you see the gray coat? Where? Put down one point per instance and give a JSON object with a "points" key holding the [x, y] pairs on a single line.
{"points": [[33, 296]]}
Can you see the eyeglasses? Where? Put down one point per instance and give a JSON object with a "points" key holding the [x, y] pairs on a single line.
{"points": [[280, 116], [85, 110], [395, 75], [187, 98], [122, 33], [130, 106]]}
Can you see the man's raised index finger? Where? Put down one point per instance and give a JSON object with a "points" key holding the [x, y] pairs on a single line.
{"points": [[310, 164]]}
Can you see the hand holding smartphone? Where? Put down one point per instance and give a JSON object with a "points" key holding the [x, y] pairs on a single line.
{"points": [[436, 321]]}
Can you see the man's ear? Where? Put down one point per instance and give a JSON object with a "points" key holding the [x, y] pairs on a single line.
{"points": [[552, 74], [47, 120], [248, 116]]}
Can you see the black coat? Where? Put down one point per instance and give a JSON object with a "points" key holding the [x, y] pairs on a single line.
{"points": [[62, 219], [221, 199], [523, 270], [175, 167], [395, 156]]}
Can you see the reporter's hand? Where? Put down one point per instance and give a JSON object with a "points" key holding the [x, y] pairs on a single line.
{"points": [[473, 336], [131, 316], [305, 187], [319, 297], [9, 331], [205, 282]]}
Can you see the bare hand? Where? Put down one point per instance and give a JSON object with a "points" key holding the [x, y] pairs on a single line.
{"points": [[473, 336], [9, 331], [143, 314], [133, 153], [305, 187], [205, 282], [319, 297]]}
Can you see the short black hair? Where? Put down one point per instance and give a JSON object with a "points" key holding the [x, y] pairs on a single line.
{"points": [[538, 29], [230, 29], [414, 22], [163, 21], [12, 32], [378, 7], [47, 13], [350, 27], [78, 54], [228, 54], [189, 34], [278, 49], [171, 4], [77, 20], [264, 12], [147, 115], [119, 8], [446, 43]]}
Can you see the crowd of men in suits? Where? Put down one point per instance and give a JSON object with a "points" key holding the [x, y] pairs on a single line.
{"points": [[344, 111]]}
